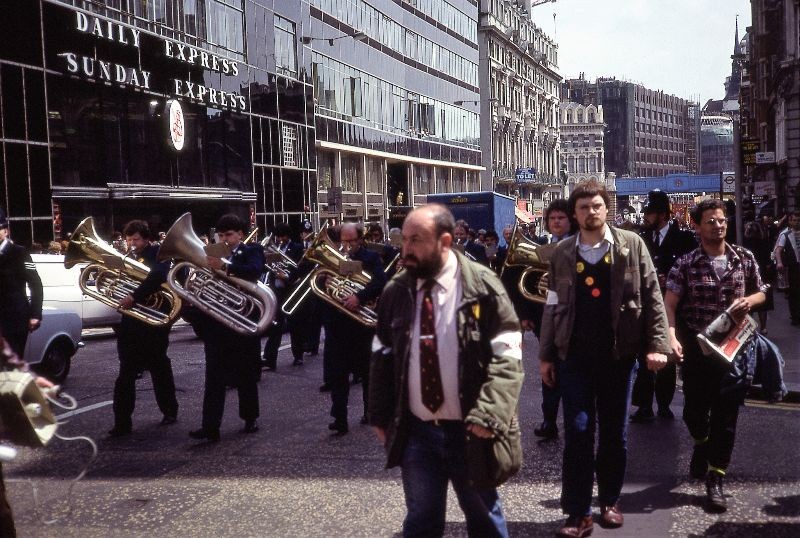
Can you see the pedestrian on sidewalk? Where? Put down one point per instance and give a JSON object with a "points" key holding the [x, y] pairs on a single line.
{"points": [[702, 285], [787, 257]]}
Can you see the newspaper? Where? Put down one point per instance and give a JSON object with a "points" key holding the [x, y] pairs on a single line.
{"points": [[724, 337]]}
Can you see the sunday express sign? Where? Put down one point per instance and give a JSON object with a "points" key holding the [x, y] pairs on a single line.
{"points": [[100, 49]]}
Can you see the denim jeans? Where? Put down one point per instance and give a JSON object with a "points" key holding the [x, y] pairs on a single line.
{"points": [[596, 393], [433, 456]]}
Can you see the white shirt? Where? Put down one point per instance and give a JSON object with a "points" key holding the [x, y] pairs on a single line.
{"points": [[4, 244], [662, 233], [446, 295], [593, 253]]}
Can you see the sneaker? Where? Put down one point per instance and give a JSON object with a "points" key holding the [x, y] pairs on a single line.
{"points": [[698, 465], [715, 497]]}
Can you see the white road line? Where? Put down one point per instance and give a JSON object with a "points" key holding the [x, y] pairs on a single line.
{"points": [[84, 409]]}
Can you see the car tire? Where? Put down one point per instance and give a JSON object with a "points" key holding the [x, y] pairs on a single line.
{"points": [[56, 362]]}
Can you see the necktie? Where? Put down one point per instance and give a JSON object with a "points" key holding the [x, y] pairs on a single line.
{"points": [[657, 238], [430, 376]]}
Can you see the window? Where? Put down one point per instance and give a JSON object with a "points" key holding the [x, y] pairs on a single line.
{"points": [[285, 47], [351, 172], [289, 138]]}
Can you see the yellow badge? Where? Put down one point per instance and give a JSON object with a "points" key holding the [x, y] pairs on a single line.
{"points": [[607, 257], [589, 281], [580, 267], [476, 310]]}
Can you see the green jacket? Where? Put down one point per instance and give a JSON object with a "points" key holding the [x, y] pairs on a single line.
{"points": [[490, 372], [637, 308]]}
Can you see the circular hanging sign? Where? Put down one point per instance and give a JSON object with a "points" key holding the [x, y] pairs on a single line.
{"points": [[177, 128]]}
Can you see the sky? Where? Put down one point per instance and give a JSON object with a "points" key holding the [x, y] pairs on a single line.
{"points": [[680, 46]]}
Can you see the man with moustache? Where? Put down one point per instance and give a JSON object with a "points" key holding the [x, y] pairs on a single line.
{"points": [[701, 285], [603, 310], [446, 374]]}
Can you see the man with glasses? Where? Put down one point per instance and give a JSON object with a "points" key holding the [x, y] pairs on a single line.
{"points": [[700, 286]]}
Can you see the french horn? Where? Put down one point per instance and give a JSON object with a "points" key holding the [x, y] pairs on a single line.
{"points": [[242, 306], [111, 276], [523, 251]]}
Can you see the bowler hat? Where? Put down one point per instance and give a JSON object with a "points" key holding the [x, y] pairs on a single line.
{"points": [[3, 219], [657, 202]]}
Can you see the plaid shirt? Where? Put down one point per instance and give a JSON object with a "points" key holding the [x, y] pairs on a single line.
{"points": [[703, 294]]}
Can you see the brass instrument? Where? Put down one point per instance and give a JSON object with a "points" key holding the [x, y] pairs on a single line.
{"points": [[111, 276], [244, 307], [523, 251], [329, 281], [378, 248], [277, 263], [25, 415]]}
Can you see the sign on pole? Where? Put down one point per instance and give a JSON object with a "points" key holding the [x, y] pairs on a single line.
{"points": [[765, 157]]}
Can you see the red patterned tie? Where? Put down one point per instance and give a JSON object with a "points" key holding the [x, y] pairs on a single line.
{"points": [[430, 376]]}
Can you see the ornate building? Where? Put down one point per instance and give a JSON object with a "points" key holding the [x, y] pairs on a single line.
{"points": [[582, 131], [519, 112]]}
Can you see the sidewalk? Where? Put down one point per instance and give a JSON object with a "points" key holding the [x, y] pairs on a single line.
{"points": [[787, 338]]}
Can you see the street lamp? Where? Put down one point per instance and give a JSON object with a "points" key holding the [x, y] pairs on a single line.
{"points": [[474, 101], [541, 2], [358, 36]]}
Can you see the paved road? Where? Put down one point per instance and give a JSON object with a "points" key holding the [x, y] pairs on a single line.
{"points": [[293, 479]]}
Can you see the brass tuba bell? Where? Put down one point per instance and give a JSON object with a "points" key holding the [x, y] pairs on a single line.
{"points": [[111, 276], [523, 251], [244, 307]]}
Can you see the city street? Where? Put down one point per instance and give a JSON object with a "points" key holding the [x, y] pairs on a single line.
{"points": [[293, 479]]}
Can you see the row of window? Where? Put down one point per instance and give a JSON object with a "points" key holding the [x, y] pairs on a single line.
{"points": [[648, 114], [659, 158], [579, 116], [658, 130], [656, 98], [657, 172], [347, 93], [448, 15], [658, 143], [365, 18], [585, 163], [528, 70], [218, 22], [523, 30]]}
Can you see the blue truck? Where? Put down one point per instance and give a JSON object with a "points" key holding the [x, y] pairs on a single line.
{"points": [[487, 210]]}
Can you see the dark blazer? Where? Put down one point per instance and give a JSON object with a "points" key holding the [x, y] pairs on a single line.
{"points": [[247, 262], [676, 243], [477, 251], [372, 264], [156, 276], [16, 271]]}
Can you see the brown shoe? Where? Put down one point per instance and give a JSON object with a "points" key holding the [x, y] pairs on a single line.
{"points": [[576, 527], [611, 517]]}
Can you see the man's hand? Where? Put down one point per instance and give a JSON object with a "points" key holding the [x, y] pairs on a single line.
{"points": [[126, 302], [677, 348], [214, 262], [740, 308], [352, 303], [34, 324], [381, 433], [479, 431], [656, 361], [43, 383], [527, 324], [548, 373]]}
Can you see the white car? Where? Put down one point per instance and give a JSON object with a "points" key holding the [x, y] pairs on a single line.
{"points": [[61, 291], [50, 348]]}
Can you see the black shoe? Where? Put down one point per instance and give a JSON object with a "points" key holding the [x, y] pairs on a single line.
{"points": [[202, 433], [666, 413], [169, 419], [698, 466], [298, 362], [643, 414], [364, 420], [250, 426], [339, 427], [715, 497], [324, 388], [119, 431], [546, 430]]}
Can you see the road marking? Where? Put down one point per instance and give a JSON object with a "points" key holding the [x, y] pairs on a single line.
{"points": [[84, 409]]}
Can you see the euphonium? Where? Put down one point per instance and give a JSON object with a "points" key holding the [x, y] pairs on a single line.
{"points": [[277, 263], [244, 307], [522, 251], [110, 285]]}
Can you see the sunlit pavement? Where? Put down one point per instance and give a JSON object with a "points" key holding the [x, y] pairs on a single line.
{"points": [[293, 479]]}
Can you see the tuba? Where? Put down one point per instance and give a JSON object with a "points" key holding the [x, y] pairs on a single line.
{"points": [[330, 282], [277, 262], [110, 277], [522, 251], [244, 307]]}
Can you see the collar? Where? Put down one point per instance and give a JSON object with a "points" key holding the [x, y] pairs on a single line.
{"points": [[5, 244], [608, 237], [730, 253], [663, 231], [447, 274]]}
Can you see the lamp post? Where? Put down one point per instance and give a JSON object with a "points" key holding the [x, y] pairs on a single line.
{"points": [[357, 36]]}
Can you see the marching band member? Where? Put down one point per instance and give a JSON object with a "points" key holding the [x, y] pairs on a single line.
{"points": [[231, 358], [141, 346]]}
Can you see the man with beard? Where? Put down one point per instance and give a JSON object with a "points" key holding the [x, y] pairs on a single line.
{"points": [[787, 254], [446, 375], [347, 341], [603, 309], [666, 242]]}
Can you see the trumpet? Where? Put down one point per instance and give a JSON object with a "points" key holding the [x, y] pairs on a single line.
{"points": [[330, 283], [110, 277], [244, 307], [277, 263], [522, 251]]}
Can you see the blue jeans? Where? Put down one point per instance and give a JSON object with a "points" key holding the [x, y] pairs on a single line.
{"points": [[596, 391], [433, 456]]}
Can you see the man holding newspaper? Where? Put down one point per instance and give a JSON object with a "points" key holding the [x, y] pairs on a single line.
{"points": [[702, 285]]}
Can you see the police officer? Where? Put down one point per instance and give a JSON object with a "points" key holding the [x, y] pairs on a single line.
{"points": [[18, 315], [141, 346]]}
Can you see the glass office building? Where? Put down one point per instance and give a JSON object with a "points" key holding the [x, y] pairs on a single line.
{"points": [[396, 87], [126, 109]]}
